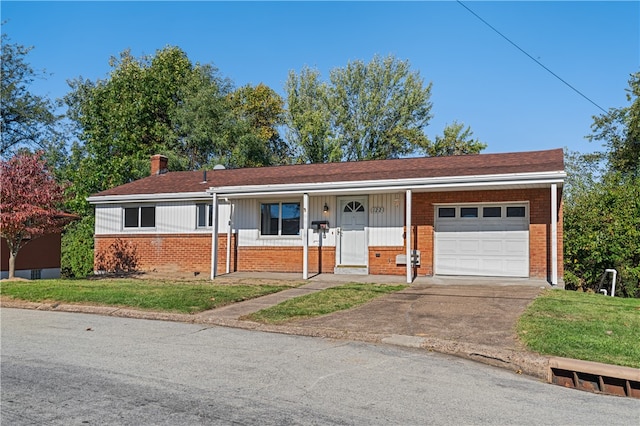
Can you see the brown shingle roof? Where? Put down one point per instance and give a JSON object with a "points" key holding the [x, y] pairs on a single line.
{"points": [[405, 168]]}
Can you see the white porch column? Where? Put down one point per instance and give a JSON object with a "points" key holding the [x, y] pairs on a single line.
{"points": [[554, 234], [305, 236], [408, 238], [229, 237], [214, 236]]}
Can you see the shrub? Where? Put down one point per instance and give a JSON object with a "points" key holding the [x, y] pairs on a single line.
{"points": [[77, 249], [120, 256]]}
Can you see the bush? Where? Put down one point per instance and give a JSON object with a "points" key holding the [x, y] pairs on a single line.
{"points": [[120, 256], [602, 231], [77, 249]]}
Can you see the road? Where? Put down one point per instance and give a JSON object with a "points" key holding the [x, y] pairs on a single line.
{"points": [[72, 369]]}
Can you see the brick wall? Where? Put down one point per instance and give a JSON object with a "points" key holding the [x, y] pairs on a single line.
{"points": [[286, 259], [539, 228], [174, 253]]}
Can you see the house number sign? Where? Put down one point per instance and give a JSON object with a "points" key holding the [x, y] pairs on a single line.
{"points": [[375, 210]]}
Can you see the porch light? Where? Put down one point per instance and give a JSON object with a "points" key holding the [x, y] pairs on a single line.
{"points": [[326, 208]]}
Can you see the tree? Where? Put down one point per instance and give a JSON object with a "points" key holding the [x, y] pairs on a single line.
{"points": [[619, 129], [602, 202], [380, 109], [27, 120], [309, 118], [456, 140], [367, 111], [161, 104], [29, 200], [261, 110]]}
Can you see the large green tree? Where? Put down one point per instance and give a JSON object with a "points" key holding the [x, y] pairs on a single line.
{"points": [[160, 104], [259, 110], [380, 109], [309, 118], [602, 202], [367, 111], [455, 140], [619, 130], [26, 120]]}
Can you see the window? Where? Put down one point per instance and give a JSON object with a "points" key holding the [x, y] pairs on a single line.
{"points": [[468, 212], [139, 217], [353, 206], [491, 211], [36, 274], [280, 218], [447, 212], [205, 215], [518, 211]]}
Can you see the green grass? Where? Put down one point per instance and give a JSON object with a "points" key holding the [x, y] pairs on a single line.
{"points": [[322, 302], [583, 326], [158, 295]]}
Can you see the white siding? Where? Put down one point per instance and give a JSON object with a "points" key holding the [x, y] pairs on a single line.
{"points": [[171, 218], [386, 219], [108, 219], [178, 217]]}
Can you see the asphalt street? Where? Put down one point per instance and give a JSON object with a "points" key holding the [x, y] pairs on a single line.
{"points": [[72, 369]]}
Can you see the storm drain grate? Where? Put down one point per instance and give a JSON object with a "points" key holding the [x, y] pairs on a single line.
{"points": [[595, 377]]}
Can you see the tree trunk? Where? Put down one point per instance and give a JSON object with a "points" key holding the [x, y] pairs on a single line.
{"points": [[12, 264]]}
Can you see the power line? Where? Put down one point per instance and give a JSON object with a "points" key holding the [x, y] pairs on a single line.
{"points": [[530, 57]]}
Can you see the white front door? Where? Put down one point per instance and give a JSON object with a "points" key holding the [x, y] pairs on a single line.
{"points": [[353, 219]]}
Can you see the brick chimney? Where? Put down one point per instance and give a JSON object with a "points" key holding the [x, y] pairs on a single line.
{"points": [[158, 164]]}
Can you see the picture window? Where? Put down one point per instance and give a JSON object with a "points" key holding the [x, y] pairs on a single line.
{"points": [[277, 219]]}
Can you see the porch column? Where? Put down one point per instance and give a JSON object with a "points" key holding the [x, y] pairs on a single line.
{"points": [[214, 236], [229, 237], [305, 236], [408, 238], [554, 234]]}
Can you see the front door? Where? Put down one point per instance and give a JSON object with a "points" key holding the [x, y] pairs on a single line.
{"points": [[353, 219]]}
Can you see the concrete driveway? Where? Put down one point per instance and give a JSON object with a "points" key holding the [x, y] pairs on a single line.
{"points": [[477, 311], [473, 310]]}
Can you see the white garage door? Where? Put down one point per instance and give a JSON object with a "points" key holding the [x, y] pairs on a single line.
{"points": [[482, 240]]}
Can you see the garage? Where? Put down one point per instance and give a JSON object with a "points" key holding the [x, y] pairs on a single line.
{"points": [[482, 240]]}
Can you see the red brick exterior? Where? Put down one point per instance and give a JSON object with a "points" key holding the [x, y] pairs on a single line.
{"points": [[174, 253], [539, 224], [192, 252]]}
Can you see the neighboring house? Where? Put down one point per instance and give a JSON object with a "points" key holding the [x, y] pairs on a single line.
{"points": [[38, 259], [476, 215]]}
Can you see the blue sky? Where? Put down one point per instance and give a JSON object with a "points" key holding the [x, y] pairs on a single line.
{"points": [[510, 102]]}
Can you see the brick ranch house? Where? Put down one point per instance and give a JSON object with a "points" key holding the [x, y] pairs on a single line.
{"points": [[477, 215]]}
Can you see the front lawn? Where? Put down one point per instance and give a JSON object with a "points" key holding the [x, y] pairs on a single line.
{"points": [[585, 326], [158, 295]]}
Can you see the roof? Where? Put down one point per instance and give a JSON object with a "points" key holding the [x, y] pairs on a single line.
{"points": [[371, 170]]}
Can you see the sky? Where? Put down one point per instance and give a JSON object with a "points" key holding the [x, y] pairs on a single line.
{"points": [[479, 78]]}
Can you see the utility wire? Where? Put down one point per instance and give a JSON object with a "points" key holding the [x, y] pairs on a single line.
{"points": [[530, 57]]}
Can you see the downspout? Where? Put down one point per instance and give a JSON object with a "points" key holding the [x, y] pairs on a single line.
{"points": [[229, 236], [554, 234], [305, 236], [214, 237], [408, 238]]}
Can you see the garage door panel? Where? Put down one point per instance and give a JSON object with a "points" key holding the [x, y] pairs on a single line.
{"points": [[482, 246]]}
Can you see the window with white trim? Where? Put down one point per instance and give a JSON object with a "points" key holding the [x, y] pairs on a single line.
{"points": [[279, 218], [140, 217], [204, 218]]}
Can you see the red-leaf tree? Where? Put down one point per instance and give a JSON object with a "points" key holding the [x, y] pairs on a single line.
{"points": [[29, 200]]}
